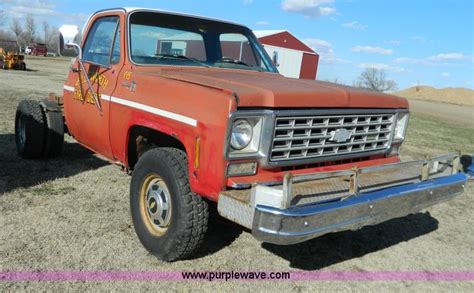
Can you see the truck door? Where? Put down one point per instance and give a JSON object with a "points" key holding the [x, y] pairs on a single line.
{"points": [[87, 112]]}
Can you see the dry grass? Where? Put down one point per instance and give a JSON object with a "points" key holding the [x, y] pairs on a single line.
{"points": [[71, 213]]}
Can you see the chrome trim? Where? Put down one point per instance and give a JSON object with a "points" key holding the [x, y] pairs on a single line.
{"points": [[299, 224], [400, 141], [241, 185]]}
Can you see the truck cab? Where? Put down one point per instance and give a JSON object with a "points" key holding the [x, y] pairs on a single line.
{"points": [[197, 112]]}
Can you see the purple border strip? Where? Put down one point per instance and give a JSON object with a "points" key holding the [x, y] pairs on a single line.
{"points": [[99, 276], [383, 276]]}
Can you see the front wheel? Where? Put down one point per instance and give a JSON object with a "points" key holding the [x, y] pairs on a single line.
{"points": [[169, 219]]}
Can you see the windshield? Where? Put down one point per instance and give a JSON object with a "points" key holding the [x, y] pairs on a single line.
{"points": [[164, 39]]}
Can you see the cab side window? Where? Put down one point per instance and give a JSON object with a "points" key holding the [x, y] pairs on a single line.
{"points": [[103, 42]]}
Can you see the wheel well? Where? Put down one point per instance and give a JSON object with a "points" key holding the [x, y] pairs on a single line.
{"points": [[143, 138]]}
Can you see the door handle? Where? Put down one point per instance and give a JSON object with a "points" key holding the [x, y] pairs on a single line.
{"points": [[132, 86]]}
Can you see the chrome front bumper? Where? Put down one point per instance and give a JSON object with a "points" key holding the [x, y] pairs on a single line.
{"points": [[298, 224], [274, 217]]}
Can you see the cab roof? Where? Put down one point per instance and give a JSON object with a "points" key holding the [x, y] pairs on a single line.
{"points": [[135, 9]]}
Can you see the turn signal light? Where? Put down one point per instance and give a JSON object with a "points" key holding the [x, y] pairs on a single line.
{"points": [[241, 169]]}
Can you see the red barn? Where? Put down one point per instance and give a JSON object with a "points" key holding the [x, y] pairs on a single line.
{"points": [[296, 59]]}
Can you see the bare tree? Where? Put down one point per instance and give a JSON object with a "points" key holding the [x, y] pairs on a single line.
{"points": [[376, 79], [30, 29], [46, 32], [335, 80], [5, 35], [54, 40], [17, 30]]}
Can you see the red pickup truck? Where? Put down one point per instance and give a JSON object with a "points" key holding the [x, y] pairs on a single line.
{"points": [[196, 111]]}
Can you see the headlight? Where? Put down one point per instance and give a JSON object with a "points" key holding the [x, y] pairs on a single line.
{"points": [[401, 127], [241, 135], [245, 135]]}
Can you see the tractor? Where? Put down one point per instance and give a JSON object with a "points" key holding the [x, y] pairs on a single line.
{"points": [[12, 60]]}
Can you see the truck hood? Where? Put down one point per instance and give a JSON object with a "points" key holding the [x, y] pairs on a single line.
{"points": [[257, 89]]}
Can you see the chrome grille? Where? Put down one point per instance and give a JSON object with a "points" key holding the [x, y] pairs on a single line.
{"points": [[316, 136]]}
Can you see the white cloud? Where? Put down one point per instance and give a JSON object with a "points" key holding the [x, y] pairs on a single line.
{"points": [[371, 50], [445, 74], [325, 51], [247, 2], [441, 59], [40, 9], [20, 8], [322, 47], [382, 66], [448, 57], [412, 61], [262, 22], [355, 25], [310, 8]]}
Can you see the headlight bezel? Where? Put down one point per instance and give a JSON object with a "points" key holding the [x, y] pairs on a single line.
{"points": [[400, 127], [262, 123]]}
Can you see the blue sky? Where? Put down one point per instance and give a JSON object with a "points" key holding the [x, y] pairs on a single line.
{"points": [[429, 42]]}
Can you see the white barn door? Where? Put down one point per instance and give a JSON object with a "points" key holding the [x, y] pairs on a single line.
{"points": [[290, 60]]}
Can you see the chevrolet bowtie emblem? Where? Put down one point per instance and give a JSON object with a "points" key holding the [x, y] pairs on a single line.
{"points": [[340, 135]]}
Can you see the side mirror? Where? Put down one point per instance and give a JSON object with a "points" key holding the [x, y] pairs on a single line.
{"points": [[275, 59], [68, 39]]}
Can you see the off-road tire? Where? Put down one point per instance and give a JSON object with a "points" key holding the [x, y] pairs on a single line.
{"points": [[23, 66], [54, 132], [30, 129], [189, 212]]}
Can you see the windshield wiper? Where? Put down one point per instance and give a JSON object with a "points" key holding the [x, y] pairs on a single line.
{"points": [[176, 56], [232, 61]]}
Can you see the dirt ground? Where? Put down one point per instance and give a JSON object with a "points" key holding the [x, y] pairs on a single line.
{"points": [[457, 96], [72, 214]]}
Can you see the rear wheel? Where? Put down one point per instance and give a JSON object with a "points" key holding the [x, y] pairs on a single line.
{"points": [[39, 132], [30, 129], [55, 131], [169, 219], [22, 66]]}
